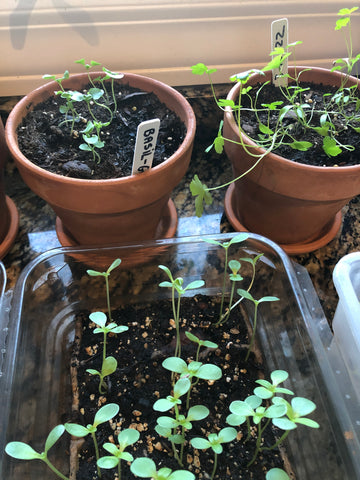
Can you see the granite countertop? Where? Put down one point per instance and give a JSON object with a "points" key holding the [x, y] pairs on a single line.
{"points": [[37, 221]]}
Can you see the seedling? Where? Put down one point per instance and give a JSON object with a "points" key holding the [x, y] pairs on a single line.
{"points": [[144, 467], [268, 389], [176, 285], [247, 295], [253, 262], [106, 275], [23, 451], [94, 96], [234, 276], [109, 364], [183, 386], [226, 245], [200, 343], [280, 413], [127, 437], [168, 426], [215, 441], [104, 414]]}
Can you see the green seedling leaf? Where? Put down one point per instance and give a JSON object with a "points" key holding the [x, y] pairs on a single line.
{"points": [[21, 451], [268, 390], [54, 436], [201, 68], [243, 77], [113, 75], [341, 23], [109, 462], [331, 148], [295, 413], [198, 412], [277, 474], [128, 437], [300, 145], [109, 366], [265, 130], [200, 443], [99, 318], [201, 343], [106, 413], [224, 102], [143, 467], [96, 93], [202, 194], [76, 430]]}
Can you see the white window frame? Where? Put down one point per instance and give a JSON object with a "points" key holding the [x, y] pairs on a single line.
{"points": [[159, 38]]}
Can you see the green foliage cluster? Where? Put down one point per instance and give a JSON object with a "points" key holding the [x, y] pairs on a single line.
{"points": [[341, 110], [98, 96]]}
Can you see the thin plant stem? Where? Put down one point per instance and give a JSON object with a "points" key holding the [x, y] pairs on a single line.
{"points": [[226, 315], [54, 469], [108, 296], [215, 466], [253, 332], [223, 286], [281, 439], [96, 453]]}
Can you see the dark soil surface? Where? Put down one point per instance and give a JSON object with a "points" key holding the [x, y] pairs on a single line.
{"points": [[313, 95], [47, 142], [140, 380]]}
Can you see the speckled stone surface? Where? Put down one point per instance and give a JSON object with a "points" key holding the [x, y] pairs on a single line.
{"points": [[37, 221]]}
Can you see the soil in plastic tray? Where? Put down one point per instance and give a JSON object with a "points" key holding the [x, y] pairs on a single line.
{"points": [[140, 380]]}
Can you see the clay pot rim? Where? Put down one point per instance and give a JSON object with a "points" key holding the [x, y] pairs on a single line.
{"points": [[28, 101], [233, 93]]}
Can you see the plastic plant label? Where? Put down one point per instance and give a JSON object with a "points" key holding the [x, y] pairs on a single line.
{"points": [[279, 38], [147, 133]]}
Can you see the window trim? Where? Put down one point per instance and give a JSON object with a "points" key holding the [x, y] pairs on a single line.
{"points": [[158, 39]]}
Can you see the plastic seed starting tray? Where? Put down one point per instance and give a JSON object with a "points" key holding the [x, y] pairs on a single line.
{"points": [[38, 330]]}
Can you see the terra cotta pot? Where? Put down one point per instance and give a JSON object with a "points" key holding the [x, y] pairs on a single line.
{"points": [[9, 217], [97, 212], [296, 205]]}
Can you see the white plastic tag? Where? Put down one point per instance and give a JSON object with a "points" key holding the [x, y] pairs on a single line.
{"points": [[279, 38], [147, 133]]}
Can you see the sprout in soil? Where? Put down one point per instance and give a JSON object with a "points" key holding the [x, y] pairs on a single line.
{"points": [[197, 370], [168, 426], [280, 412], [247, 295], [22, 451], [200, 343], [125, 438], [104, 414], [93, 97], [176, 285], [215, 441], [109, 364], [226, 245], [106, 275]]}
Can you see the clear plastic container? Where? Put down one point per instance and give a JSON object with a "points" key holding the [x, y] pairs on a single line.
{"points": [[293, 335], [346, 323]]}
